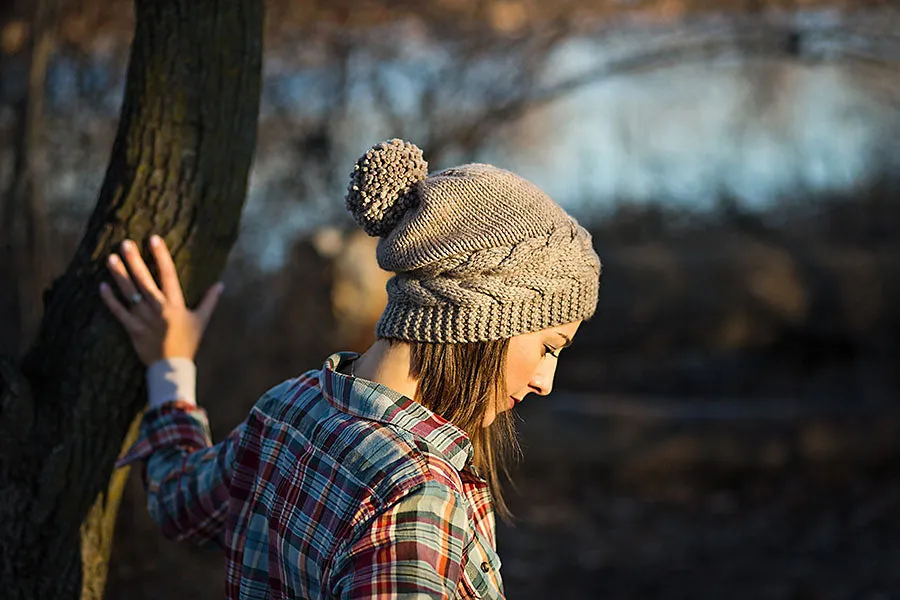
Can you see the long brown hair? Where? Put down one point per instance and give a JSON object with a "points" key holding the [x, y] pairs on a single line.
{"points": [[461, 383]]}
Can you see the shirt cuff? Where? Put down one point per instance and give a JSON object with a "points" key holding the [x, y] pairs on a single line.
{"points": [[172, 379]]}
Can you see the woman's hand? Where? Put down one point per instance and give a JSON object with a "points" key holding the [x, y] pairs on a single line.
{"points": [[158, 322]]}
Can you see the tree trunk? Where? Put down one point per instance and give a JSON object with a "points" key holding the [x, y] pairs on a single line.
{"points": [[179, 167]]}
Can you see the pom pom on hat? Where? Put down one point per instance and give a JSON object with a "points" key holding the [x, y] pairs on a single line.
{"points": [[384, 184]]}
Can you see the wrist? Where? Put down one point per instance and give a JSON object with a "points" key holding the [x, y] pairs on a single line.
{"points": [[171, 379]]}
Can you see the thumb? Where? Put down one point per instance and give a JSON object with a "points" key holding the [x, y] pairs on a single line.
{"points": [[207, 306]]}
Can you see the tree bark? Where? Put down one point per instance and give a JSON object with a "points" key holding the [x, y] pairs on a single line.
{"points": [[179, 167]]}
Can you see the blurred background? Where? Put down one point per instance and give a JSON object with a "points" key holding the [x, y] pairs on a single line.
{"points": [[726, 426]]}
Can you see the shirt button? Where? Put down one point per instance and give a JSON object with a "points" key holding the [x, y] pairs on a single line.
{"points": [[485, 567]]}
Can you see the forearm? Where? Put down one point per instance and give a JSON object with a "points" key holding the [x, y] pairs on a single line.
{"points": [[185, 476], [188, 489]]}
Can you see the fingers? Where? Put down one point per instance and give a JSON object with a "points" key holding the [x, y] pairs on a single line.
{"points": [[143, 307], [142, 277], [121, 277], [140, 285], [168, 276], [131, 323], [208, 305]]}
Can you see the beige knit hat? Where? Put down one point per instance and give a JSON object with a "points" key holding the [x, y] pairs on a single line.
{"points": [[478, 252]]}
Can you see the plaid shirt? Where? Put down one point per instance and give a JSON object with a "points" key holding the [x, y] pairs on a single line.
{"points": [[334, 487]]}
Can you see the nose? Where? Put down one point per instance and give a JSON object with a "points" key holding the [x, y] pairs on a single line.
{"points": [[542, 381]]}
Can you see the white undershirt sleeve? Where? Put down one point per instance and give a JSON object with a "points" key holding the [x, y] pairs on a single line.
{"points": [[171, 379]]}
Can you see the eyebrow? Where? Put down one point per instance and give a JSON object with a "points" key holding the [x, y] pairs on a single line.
{"points": [[565, 337]]}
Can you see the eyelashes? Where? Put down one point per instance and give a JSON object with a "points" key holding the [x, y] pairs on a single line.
{"points": [[554, 352]]}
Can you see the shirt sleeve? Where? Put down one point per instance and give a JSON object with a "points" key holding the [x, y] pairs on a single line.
{"points": [[412, 549], [170, 380], [187, 477]]}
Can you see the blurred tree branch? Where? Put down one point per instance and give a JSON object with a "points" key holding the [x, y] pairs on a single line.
{"points": [[452, 84], [27, 250]]}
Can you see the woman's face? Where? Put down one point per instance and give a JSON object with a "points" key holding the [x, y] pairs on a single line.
{"points": [[531, 364]]}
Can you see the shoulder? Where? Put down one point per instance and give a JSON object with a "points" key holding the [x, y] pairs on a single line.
{"points": [[279, 398], [381, 458], [356, 466]]}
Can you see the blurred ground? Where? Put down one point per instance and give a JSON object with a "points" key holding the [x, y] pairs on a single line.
{"points": [[726, 500], [793, 535]]}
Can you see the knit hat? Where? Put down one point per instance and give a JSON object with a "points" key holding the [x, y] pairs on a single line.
{"points": [[478, 253]]}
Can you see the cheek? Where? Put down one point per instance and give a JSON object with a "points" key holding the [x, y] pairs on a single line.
{"points": [[520, 367]]}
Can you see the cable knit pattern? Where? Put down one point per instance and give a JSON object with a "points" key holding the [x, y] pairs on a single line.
{"points": [[478, 253]]}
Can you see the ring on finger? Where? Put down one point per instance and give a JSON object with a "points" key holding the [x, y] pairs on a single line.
{"points": [[136, 298]]}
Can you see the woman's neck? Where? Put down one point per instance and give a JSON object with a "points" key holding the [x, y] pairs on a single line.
{"points": [[387, 364]]}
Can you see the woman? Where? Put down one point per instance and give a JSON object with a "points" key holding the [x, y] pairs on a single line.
{"points": [[376, 475]]}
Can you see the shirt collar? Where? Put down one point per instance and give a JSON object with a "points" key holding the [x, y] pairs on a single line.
{"points": [[377, 402]]}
